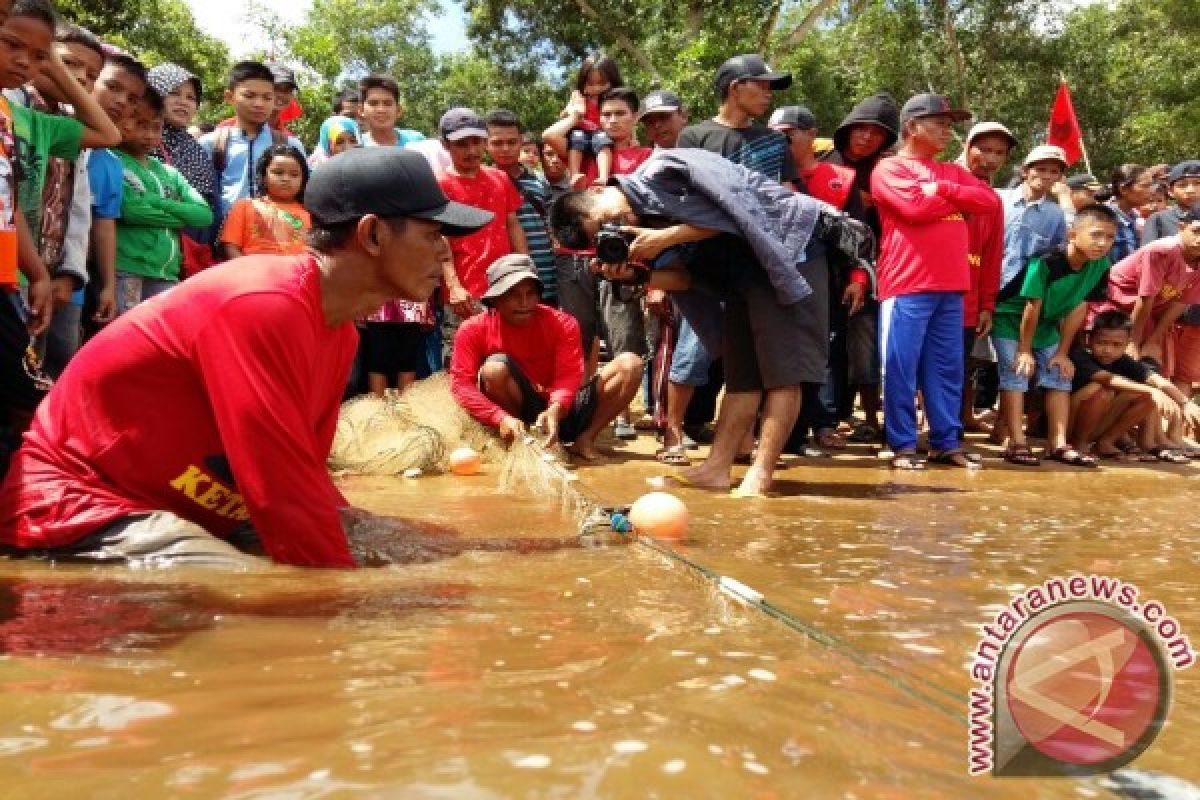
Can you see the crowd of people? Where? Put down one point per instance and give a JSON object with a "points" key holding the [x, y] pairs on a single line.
{"points": [[817, 291]]}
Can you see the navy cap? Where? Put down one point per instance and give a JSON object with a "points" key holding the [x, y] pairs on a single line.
{"points": [[786, 118], [388, 182], [461, 123], [749, 67], [660, 101], [931, 105], [1084, 180], [1184, 169]]}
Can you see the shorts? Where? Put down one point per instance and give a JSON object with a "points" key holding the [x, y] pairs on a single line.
{"points": [[157, 539], [968, 348], [691, 360], [1186, 341], [574, 422], [587, 141], [768, 345], [134, 289], [623, 319], [1006, 356], [862, 346], [17, 389], [577, 295], [390, 348]]}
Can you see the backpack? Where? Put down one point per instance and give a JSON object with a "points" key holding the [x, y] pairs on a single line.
{"points": [[220, 155]]}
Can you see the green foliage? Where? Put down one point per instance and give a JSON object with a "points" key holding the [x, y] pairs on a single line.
{"points": [[157, 31], [1131, 67]]}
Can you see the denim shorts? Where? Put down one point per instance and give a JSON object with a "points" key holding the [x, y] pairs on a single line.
{"points": [[690, 362], [1046, 378]]}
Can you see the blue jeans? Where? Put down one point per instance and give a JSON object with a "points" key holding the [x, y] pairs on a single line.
{"points": [[921, 342], [134, 289]]}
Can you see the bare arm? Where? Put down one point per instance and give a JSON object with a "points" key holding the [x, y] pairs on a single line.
{"points": [[98, 129], [41, 298], [516, 234], [556, 135], [104, 247]]}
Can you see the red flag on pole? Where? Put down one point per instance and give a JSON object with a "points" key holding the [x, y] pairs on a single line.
{"points": [[1063, 130]]}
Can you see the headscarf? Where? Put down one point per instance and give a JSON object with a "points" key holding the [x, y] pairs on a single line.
{"points": [[332, 129], [178, 148]]}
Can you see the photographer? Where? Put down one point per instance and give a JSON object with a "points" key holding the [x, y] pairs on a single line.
{"points": [[718, 232]]}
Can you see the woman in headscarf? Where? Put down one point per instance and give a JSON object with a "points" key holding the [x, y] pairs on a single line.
{"points": [[181, 90], [337, 134]]}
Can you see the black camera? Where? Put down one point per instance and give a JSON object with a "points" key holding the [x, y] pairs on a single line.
{"points": [[612, 244]]}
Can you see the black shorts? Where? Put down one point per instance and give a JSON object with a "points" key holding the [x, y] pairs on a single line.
{"points": [[18, 392], [768, 345], [573, 423], [390, 348]]}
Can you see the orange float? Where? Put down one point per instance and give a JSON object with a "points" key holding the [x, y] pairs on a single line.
{"points": [[660, 515], [465, 461]]}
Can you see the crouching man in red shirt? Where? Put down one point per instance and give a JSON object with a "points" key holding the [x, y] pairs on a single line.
{"points": [[208, 412], [521, 363]]}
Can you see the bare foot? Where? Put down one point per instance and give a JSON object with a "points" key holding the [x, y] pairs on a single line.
{"points": [[705, 477], [754, 483], [585, 450]]}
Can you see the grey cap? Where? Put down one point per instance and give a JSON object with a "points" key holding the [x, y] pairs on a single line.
{"points": [[507, 271], [283, 76], [660, 101], [786, 118]]}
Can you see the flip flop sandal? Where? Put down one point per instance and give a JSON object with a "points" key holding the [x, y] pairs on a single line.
{"points": [[830, 440], [1168, 455], [1022, 456], [864, 434], [625, 431], [907, 460], [675, 456], [956, 458], [1072, 457]]}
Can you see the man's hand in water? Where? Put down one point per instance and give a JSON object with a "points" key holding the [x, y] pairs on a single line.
{"points": [[547, 423], [511, 428]]}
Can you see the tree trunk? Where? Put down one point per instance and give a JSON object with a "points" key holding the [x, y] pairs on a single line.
{"points": [[808, 23], [764, 35]]}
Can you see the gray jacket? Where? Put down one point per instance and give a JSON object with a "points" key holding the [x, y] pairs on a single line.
{"points": [[704, 189]]}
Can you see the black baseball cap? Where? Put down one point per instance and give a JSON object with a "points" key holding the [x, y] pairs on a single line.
{"points": [[1084, 180], [749, 67], [786, 118], [387, 182], [460, 123], [1184, 169], [282, 76], [931, 105], [660, 101]]}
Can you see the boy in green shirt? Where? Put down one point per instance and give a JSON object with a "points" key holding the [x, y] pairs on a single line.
{"points": [[157, 201], [1037, 317]]}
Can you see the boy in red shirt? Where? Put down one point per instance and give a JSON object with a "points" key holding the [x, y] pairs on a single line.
{"points": [[521, 363], [251, 358], [923, 272], [467, 180]]}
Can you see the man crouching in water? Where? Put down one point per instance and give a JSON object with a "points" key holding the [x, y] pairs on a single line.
{"points": [[197, 425], [521, 363]]}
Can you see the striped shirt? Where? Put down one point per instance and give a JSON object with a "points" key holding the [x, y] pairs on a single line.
{"points": [[535, 203], [756, 148]]}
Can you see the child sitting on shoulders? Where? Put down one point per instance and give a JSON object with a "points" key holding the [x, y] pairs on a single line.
{"points": [[1112, 392], [276, 222], [597, 75]]}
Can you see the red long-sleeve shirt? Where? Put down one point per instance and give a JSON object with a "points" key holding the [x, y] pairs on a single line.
{"points": [[924, 243], [547, 350], [985, 252], [216, 401]]}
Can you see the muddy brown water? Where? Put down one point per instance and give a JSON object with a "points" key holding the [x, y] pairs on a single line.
{"points": [[579, 673]]}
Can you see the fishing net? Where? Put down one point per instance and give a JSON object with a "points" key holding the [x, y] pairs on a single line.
{"points": [[418, 429]]}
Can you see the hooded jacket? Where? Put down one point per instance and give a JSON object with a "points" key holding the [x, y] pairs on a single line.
{"points": [[880, 110]]}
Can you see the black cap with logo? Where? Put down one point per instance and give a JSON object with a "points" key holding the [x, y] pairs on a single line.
{"points": [[931, 105], [387, 182], [660, 101], [749, 67], [787, 118]]}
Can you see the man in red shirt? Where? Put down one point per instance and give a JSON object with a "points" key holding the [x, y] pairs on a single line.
{"points": [[467, 180], [987, 147], [210, 410], [923, 272], [520, 363]]}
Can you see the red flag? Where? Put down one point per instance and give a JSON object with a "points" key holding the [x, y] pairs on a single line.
{"points": [[1063, 130], [292, 111]]}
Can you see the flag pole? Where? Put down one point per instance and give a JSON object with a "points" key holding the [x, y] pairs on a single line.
{"points": [[1087, 162]]}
